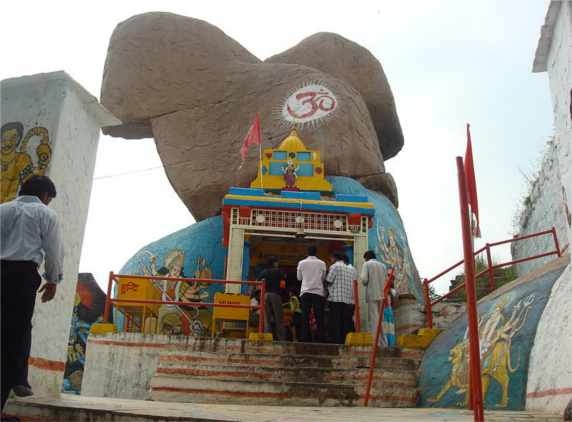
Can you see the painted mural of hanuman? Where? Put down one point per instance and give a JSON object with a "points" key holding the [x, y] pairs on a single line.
{"points": [[16, 162]]}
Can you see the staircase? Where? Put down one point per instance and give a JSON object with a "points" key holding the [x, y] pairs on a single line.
{"points": [[281, 373]]}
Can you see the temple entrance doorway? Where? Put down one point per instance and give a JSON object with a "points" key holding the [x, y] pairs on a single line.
{"points": [[289, 252]]}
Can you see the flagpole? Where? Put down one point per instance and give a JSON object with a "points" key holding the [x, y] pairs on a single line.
{"points": [[260, 152], [475, 389]]}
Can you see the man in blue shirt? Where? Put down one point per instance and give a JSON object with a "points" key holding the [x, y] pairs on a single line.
{"points": [[30, 235]]}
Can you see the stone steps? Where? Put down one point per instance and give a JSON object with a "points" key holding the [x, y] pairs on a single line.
{"points": [[302, 393], [175, 358], [279, 374], [291, 374]]}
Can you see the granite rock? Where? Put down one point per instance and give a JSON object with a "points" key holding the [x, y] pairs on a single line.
{"points": [[195, 90], [352, 63]]}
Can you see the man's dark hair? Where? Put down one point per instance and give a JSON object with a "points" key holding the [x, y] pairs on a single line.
{"points": [[369, 255], [37, 186], [338, 256], [13, 125], [271, 261], [312, 250], [346, 259]]}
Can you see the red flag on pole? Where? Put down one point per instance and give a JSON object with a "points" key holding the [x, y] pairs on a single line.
{"points": [[472, 185], [253, 137]]}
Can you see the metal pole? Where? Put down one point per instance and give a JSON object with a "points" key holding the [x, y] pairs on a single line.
{"points": [[107, 309], [428, 308], [357, 316], [556, 244], [262, 307], [490, 270], [372, 359], [474, 350]]}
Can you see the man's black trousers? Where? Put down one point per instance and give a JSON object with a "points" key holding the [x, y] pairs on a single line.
{"points": [[340, 321], [19, 282], [316, 302]]}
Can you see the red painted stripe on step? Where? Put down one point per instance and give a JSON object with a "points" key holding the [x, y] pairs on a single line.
{"points": [[397, 382], [220, 392], [210, 373], [46, 364], [129, 344], [392, 398], [550, 392], [175, 346], [223, 359]]}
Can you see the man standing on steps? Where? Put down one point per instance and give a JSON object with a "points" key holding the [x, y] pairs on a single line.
{"points": [[312, 272], [373, 275], [340, 299], [272, 277], [30, 233]]}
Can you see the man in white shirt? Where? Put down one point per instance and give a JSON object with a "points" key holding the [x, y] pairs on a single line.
{"points": [[312, 272], [30, 234], [373, 275]]}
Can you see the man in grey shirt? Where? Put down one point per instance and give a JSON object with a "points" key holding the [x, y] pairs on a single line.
{"points": [[373, 275], [30, 234]]}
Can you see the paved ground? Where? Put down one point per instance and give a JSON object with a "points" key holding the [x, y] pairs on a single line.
{"points": [[81, 408]]}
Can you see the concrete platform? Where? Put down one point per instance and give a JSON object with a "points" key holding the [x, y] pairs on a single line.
{"points": [[80, 408]]}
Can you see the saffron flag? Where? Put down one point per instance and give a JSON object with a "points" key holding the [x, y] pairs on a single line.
{"points": [[471, 185], [253, 137]]}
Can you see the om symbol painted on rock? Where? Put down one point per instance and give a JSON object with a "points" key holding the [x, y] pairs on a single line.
{"points": [[310, 103]]}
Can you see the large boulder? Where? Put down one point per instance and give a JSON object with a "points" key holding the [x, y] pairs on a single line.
{"points": [[352, 63], [196, 90]]}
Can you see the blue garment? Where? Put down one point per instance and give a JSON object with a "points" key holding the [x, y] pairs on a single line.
{"points": [[389, 326]]}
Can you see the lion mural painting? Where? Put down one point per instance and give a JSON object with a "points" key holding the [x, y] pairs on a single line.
{"points": [[495, 334]]}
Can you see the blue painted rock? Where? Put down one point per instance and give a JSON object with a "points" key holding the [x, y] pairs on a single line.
{"points": [[508, 320], [197, 251]]}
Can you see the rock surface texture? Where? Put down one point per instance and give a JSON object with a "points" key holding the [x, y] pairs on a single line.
{"points": [[195, 90]]}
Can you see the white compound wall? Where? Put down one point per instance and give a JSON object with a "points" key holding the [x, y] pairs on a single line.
{"points": [[549, 386], [72, 118]]}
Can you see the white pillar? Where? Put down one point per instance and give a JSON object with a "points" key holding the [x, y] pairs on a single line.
{"points": [[360, 247], [68, 120], [234, 257]]}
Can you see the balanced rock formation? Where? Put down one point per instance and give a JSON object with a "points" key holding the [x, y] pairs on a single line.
{"points": [[195, 90], [352, 63]]}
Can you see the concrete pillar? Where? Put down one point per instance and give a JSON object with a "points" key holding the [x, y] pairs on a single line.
{"points": [[60, 124], [360, 247], [234, 258]]}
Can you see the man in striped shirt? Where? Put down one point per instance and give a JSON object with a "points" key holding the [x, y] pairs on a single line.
{"points": [[340, 299]]}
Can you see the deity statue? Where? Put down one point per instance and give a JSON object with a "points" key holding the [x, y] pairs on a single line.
{"points": [[290, 175]]}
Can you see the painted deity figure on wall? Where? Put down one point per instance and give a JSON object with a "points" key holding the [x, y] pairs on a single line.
{"points": [[290, 174], [495, 334], [196, 291], [180, 319], [173, 267], [395, 257], [16, 162]]}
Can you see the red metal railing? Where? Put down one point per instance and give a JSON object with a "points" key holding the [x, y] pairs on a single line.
{"points": [[489, 270], [378, 332], [114, 278], [357, 316]]}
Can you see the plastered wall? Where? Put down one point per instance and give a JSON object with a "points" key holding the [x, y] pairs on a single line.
{"points": [[64, 150], [549, 385]]}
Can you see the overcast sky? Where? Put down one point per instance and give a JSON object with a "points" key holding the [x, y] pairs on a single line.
{"points": [[448, 63]]}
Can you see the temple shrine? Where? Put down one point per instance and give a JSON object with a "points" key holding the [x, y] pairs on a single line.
{"points": [[289, 206]]}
